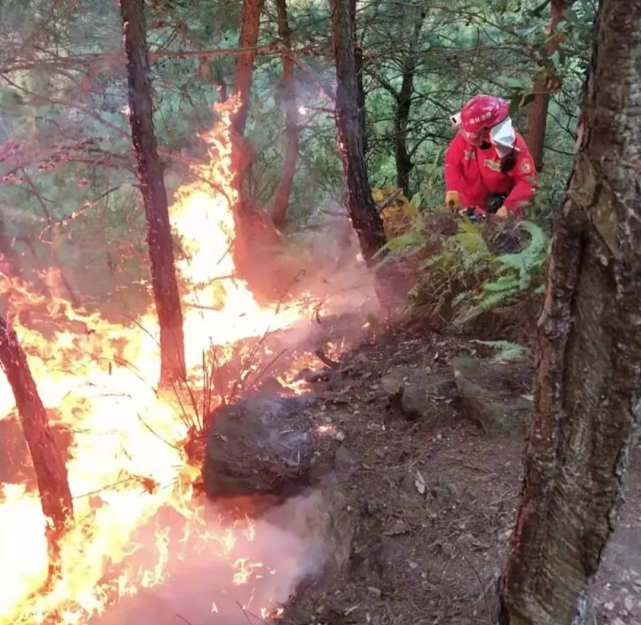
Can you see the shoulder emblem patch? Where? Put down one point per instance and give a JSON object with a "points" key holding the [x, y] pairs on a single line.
{"points": [[526, 168]]}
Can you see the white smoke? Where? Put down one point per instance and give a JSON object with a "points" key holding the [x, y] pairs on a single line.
{"points": [[288, 543]]}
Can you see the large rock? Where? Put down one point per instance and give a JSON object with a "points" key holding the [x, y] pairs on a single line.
{"points": [[259, 445], [495, 396], [414, 391]]}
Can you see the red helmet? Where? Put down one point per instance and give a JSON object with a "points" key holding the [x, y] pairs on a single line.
{"points": [[483, 111]]}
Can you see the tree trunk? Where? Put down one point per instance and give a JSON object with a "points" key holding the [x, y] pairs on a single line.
{"points": [[360, 92], [244, 74], [255, 231], [404, 164], [292, 128], [360, 85], [152, 186], [51, 472], [543, 87], [360, 204], [588, 382]]}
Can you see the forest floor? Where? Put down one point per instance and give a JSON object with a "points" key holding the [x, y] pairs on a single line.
{"points": [[433, 503]]}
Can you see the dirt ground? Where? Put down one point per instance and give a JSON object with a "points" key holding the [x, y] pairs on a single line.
{"points": [[433, 502]]}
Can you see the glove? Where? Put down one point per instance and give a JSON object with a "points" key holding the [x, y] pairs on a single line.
{"points": [[502, 213], [453, 200]]}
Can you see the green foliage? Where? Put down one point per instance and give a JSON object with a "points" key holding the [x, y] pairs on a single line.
{"points": [[506, 351], [509, 275], [465, 275]]}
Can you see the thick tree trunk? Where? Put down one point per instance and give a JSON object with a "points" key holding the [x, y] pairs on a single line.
{"points": [[292, 127], [543, 87], [51, 472], [404, 164], [588, 384], [244, 74], [360, 204], [152, 186]]}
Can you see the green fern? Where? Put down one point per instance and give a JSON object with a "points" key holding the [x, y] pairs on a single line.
{"points": [[506, 351], [513, 274]]}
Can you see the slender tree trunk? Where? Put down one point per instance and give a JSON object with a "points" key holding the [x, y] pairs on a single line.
{"points": [[588, 383], [292, 127], [244, 74], [360, 93], [152, 186], [51, 472], [255, 230], [404, 164], [543, 87], [360, 204], [360, 85]]}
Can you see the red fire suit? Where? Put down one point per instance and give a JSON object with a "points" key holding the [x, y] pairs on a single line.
{"points": [[475, 173]]}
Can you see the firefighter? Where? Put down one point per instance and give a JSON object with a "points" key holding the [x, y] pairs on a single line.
{"points": [[488, 167]]}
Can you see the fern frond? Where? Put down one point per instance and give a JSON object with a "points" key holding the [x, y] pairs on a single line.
{"points": [[506, 351]]}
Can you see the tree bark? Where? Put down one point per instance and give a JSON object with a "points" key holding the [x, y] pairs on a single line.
{"points": [[292, 127], [543, 87], [588, 383], [244, 74], [154, 194], [404, 164], [51, 472], [360, 204]]}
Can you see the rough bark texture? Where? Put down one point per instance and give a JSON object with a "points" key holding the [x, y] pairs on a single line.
{"points": [[244, 74], [362, 209], [51, 472], [588, 382], [543, 87], [152, 186], [292, 127]]}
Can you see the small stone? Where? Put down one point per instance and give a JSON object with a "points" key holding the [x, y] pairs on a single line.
{"points": [[629, 604], [376, 592], [505, 536], [609, 606], [413, 565]]}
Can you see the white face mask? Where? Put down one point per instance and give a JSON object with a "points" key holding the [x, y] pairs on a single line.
{"points": [[503, 138]]}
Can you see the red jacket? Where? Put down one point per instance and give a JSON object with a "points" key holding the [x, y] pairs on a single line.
{"points": [[476, 174]]}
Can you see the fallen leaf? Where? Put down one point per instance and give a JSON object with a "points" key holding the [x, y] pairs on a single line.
{"points": [[419, 482]]}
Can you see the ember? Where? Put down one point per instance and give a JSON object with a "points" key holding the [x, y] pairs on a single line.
{"points": [[138, 522]]}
